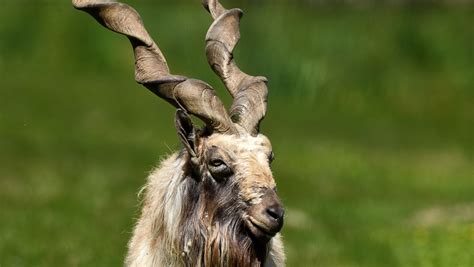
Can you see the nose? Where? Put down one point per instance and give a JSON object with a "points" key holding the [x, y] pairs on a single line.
{"points": [[275, 212], [272, 210]]}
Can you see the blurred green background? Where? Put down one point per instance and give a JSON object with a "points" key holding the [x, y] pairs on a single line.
{"points": [[371, 115]]}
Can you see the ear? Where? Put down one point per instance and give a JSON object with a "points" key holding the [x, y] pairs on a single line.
{"points": [[186, 131]]}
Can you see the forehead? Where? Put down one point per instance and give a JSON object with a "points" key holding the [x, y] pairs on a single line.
{"points": [[251, 157], [238, 144]]}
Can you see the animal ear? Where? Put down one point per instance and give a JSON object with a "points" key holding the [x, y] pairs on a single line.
{"points": [[186, 131]]}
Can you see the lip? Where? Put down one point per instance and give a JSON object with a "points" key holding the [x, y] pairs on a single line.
{"points": [[259, 229]]}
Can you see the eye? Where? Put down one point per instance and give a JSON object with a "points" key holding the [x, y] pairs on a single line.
{"points": [[216, 162], [271, 157], [219, 169]]}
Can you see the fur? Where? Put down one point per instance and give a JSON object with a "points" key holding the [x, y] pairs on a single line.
{"points": [[179, 226]]}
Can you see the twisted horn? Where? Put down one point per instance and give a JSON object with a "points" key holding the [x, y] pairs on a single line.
{"points": [[151, 70], [249, 92]]}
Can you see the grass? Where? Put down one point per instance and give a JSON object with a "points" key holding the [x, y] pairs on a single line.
{"points": [[370, 116]]}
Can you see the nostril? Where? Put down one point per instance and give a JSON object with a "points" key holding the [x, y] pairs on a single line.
{"points": [[275, 212]]}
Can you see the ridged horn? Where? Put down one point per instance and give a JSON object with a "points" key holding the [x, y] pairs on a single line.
{"points": [[151, 70], [249, 92]]}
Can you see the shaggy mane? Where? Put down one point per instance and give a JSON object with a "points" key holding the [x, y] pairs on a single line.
{"points": [[180, 226]]}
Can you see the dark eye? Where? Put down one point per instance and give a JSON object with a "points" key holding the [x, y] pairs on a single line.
{"points": [[216, 162], [219, 170], [271, 157]]}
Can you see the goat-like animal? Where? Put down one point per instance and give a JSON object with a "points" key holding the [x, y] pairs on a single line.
{"points": [[213, 203]]}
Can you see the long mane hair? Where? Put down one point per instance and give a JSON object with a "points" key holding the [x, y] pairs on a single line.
{"points": [[190, 228]]}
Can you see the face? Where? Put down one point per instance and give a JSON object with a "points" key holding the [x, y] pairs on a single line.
{"points": [[240, 165]]}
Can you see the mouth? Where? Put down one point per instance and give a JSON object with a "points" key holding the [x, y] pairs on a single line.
{"points": [[259, 230]]}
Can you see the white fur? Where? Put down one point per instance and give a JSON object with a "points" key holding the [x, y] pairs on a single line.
{"points": [[155, 237]]}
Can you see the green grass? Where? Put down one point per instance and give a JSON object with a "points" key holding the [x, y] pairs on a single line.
{"points": [[371, 117]]}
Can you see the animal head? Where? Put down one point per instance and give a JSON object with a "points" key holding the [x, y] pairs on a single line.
{"points": [[234, 176], [229, 159]]}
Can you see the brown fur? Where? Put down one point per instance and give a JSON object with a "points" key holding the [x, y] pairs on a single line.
{"points": [[187, 221]]}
